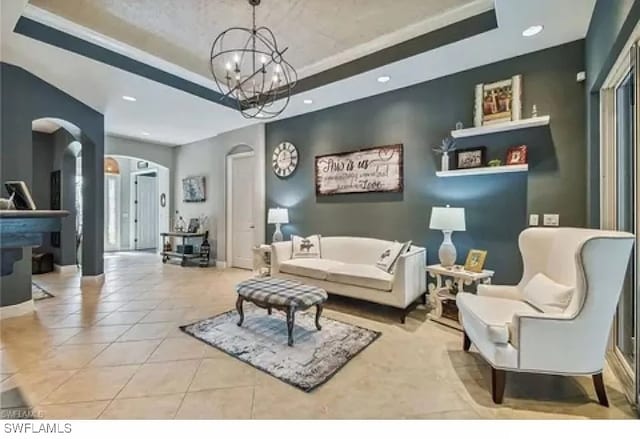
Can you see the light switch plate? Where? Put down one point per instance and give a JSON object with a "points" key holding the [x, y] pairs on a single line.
{"points": [[534, 220], [551, 219]]}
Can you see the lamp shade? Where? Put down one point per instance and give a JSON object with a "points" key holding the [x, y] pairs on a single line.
{"points": [[448, 218], [278, 216]]}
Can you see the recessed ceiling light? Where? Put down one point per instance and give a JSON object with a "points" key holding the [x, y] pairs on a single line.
{"points": [[129, 98], [308, 101], [384, 79], [144, 133], [532, 30]]}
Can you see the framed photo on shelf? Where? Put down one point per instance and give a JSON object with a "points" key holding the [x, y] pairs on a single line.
{"points": [[475, 260], [517, 155], [471, 157], [498, 101], [194, 224]]}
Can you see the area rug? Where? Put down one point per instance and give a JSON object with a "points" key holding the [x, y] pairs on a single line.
{"points": [[262, 342], [39, 293]]}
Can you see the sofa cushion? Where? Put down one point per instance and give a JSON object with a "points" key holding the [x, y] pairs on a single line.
{"points": [[546, 294], [308, 247], [361, 275], [309, 267], [489, 317]]}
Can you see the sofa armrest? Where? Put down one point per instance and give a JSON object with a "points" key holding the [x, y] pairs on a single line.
{"points": [[280, 252], [500, 291], [409, 280]]}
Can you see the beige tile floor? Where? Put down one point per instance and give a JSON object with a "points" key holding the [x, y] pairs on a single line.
{"points": [[115, 351]]}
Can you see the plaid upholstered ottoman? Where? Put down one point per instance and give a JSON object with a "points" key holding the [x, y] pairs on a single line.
{"points": [[286, 295]]}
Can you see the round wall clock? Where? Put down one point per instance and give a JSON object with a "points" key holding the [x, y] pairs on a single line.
{"points": [[285, 159]]}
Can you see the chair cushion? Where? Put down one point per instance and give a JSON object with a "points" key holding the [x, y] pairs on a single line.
{"points": [[309, 267], [489, 317], [361, 275], [546, 294]]}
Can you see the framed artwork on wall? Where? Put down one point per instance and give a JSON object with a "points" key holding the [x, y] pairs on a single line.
{"points": [[193, 189], [378, 169], [498, 101]]}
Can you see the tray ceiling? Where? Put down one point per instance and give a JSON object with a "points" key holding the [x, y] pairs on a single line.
{"points": [[319, 33]]}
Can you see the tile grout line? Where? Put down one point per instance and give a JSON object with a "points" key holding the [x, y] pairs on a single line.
{"points": [[188, 387]]}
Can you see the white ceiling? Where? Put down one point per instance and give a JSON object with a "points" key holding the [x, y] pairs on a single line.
{"points": [[172, 117]]}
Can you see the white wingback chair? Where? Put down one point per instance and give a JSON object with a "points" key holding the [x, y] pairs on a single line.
{"points": [[558, 318]]}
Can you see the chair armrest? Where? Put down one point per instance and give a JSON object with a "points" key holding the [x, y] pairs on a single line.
{"points": [[280, 252], [409, 280], [500, 291]]}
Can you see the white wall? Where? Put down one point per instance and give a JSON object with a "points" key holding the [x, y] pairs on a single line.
{"points": [[151, 152], [208, 157]]}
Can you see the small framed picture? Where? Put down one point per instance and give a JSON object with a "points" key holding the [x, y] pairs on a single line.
{"points": [[498, 101], [517, 155], [194, 224], [475, 260], [471, 157]]}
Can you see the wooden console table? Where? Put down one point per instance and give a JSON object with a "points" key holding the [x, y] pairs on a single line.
{"points": [[455, 278], [184, 257]]}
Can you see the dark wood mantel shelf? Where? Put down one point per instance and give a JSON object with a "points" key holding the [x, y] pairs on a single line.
{"points": [[24, 228]]}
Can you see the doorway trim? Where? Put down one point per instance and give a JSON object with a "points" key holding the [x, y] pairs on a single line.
{"points": [[609, 194], [229, 203]]}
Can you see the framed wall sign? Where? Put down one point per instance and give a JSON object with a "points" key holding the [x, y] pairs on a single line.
{"points": [[378, 169], [498, 101]]}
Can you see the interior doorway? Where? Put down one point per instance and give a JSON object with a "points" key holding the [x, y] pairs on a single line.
{"points": [[137, 204], [240, 209]]}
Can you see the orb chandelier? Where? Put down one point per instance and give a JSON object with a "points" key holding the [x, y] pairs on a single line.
{"points": [[248, 65]]}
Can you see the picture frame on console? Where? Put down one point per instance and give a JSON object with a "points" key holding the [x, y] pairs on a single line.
{"points": [[471, 157], [475, 260]]}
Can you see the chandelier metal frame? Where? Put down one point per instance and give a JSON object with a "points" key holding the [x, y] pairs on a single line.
{"points": [[255, 73]]}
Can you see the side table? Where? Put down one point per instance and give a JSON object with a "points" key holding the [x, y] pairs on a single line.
{"points": [[262, 260], [448, 282]]}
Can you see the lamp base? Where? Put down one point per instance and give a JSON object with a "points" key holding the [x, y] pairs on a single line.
{"points": [[277, 235], [447, 252]]}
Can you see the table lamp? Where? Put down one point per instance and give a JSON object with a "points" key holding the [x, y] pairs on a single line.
{"points": [[278, 216], [449, 220]]}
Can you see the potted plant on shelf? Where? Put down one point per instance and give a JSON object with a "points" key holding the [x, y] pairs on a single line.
{"points": [[448, 145]]}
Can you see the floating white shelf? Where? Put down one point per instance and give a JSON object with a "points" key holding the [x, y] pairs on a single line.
{"points": [[483, 171], [499, 127]]}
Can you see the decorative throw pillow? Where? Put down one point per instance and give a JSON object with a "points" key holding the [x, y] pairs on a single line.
{"points": [[547, 295], [388, 258], [308, 247]]}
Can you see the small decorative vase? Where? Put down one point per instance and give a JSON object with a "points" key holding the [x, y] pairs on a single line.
{"points": [[445, 161]]}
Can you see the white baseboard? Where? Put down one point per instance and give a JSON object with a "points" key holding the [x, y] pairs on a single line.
{"points": [[221, 264], [65, 268], [19, 309], [92, 280]]}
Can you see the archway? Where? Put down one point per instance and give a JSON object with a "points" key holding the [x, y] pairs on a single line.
{"points": [[57, 184], [123, 231]]}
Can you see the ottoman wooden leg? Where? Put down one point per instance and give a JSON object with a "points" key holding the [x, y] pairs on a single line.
{"points": [[291, 314], [318, 314], [239, 309], [269, 310]]}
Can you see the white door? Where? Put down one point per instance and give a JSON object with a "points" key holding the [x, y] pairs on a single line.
{"points": [[111, 212], [146, 212], [241, 208]]}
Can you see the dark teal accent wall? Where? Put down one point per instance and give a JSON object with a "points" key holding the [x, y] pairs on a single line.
{"points": [[24, 98], [610, 28], [419, 117]]}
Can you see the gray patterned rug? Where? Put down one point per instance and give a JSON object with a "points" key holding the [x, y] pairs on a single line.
{"points": [[262, 342]]}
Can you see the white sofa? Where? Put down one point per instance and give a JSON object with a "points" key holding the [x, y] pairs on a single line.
{"points": [[347, 267], [571, 339]]}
